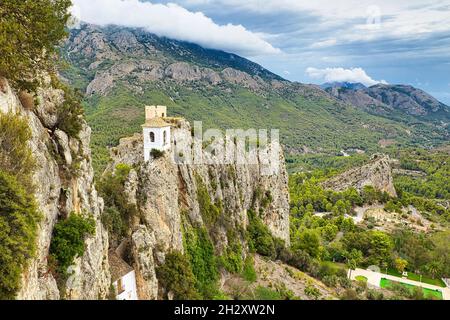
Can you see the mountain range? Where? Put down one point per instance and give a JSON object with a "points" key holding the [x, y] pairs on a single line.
{"points": [[343, 84], [391, 99], [120, 70]]}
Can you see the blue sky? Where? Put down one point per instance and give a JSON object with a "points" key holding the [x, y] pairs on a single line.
{"points": [[400, 41]]}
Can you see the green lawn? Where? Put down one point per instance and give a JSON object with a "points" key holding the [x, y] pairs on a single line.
{"points": [[361, 278], [416, 277], [428, 293]]}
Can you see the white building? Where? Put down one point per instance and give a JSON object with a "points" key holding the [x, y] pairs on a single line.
{"points": [[123, 278], [156, 131]]}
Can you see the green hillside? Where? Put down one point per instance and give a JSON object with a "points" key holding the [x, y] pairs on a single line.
{"points": [[122, 70]]}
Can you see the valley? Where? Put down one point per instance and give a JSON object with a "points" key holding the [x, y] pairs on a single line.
{"points": [[120, 70], [101, 196]]}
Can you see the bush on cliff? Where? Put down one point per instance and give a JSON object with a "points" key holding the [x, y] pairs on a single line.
{"points": [[176, 276], [156, 154], [19, 218], [118, 211], [70, 112], [259, 237], [15, 154], [202, 258], [68, 240]]}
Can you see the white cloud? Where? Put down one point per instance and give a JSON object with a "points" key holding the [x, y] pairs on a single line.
{"points": [[324, 44], [174, 21], [362, 20], [352, 75]]}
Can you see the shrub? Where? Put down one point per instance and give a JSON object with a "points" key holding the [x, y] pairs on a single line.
{"points": [[260, 238], [350, 294], [331, 281], [312, 292], [113, 220], [263, 293], [267, 199], [232, 259], [361, 285], [118, 211], [210, 212], [308, 240], [70, 113], [200, 252], [18, 224], [393, 206], [68, 241], [249, 272], [345, 282], [16, 156], [156, 154], [374, 295], [279, 245], [176, 276], [297, 258]]}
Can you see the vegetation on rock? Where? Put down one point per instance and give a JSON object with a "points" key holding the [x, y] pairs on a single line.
{"points": [[118, 211], [30, 31], [203, 261], [156, 154], [68, 241], [18, 230], [16, 156], [176, 276], [19, 216]]}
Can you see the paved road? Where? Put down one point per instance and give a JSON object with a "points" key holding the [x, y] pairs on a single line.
{"points": [[374, 278]]}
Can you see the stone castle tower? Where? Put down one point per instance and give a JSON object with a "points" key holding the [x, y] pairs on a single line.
{"points": [[156, 131]]}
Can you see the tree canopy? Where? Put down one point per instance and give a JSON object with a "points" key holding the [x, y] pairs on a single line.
{"points": [[30, 30]]}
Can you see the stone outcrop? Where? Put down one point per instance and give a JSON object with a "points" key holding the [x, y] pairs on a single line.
{"points": [[64, 184], [377, 173], [166, 194]]}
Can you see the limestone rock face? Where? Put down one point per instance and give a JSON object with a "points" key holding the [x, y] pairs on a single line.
{"points": [[166, 193], [143, 244], [60, 190], [377, 173]]}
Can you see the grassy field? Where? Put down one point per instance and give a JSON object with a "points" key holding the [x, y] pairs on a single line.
{"points": [[416, 277], [428, 293]]}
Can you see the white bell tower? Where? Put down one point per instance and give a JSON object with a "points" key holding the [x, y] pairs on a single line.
{"points": [[156, 131]]}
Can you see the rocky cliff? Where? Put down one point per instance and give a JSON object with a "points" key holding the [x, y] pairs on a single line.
{"points": [[377, 173], [64, 184], [171, 197]]}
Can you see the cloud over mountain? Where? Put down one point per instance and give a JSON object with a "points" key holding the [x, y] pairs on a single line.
{"points": [[174, 21], [353, 75]]}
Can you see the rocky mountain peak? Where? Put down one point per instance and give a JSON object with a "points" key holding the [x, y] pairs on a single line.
{"points": [[377, 173]]}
